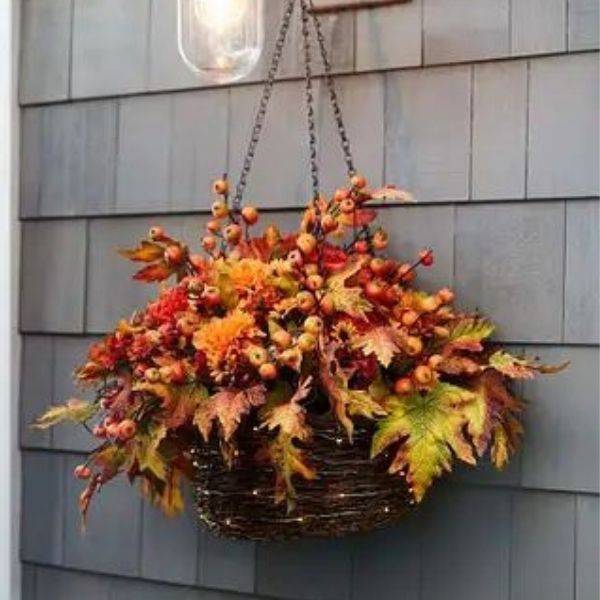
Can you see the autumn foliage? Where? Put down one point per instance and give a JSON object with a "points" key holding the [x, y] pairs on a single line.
{"points": [[265, 329]]}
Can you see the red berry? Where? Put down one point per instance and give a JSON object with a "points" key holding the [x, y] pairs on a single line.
{"points": [[426, 257], [82, 472], [127, 429]]}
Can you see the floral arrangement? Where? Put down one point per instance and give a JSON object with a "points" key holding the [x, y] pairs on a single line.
{"points": [[257, 327]]}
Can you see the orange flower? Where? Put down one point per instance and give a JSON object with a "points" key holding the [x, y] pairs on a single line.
{"points": [[216, 337], [246, 273]]}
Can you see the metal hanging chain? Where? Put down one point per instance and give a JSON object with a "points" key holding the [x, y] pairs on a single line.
{"points": [[337, 111], [262, 107], [310, 101]]}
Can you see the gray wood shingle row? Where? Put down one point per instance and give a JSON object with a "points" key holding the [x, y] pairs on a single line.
{"points": [[465, 542], [160, 152], [69, 53]]}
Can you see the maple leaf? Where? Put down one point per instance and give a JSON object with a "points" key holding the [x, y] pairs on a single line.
{"points": [[520, 368], [155, 272], [75, 411], [458, 365], [168, 496], [145, 252], [391, 193], [430, 428], [380, 341], [468, 333], [146, 451], [289, 421], [227, 407], [350, 300], [344, 401], [503, 427]]}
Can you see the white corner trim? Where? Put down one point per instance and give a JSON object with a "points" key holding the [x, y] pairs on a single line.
{"points": [[9, 342]]}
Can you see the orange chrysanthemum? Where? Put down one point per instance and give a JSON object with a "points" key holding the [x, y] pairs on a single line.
{"points": [[246, 273], [216, 337]]}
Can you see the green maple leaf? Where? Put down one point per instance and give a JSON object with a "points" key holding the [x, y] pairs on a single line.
{"points": [[430, 429], [468, 334], [75, 411]]}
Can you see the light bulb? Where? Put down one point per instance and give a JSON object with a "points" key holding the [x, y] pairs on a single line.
{"points": [[221, 39], [220, 14]]}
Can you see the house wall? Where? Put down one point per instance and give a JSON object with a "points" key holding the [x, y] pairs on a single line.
{"points": [[487, 111]]}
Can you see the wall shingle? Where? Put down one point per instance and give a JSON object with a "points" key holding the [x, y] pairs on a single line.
{"points": [[581, 277], [498, 164], [109, 60], [53, 276], [587, 564], [538, 26], [543, 553], [564, 108], [509, 264], [429, 157], [584, 20], [45, 43]]}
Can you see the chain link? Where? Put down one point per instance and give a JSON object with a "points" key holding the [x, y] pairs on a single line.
{"points": [[310, 101], [337, 111], [262, 107], [307, 7]]}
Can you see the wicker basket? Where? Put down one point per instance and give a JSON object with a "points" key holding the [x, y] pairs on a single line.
{"points": [[352, 493]]}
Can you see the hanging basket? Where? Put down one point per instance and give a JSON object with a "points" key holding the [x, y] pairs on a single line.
{"points": [[352, 493]]}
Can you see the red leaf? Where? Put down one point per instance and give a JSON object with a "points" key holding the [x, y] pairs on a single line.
{"points": [[157, 272]]}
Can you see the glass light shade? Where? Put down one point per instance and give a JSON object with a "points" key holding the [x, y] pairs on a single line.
{"points": [[221, 39]]}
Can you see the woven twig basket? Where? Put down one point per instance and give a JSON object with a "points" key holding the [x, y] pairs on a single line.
{"points": [[352, 493]]}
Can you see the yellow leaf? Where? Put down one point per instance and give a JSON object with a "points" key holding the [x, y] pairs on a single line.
{"points": [[520, 368], [350, 300], [145, 252], [227, 407], [147, 454], [76, 411], [429, 428], [468, 333], [380, 341]]}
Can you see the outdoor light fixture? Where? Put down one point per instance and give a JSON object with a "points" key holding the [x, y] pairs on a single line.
{"points": [[221, 39]]}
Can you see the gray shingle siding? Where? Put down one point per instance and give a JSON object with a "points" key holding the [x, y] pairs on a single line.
{"points": [[487, 111]]}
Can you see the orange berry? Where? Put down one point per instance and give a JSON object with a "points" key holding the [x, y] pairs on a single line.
{"points": [[268, 371], [257, 355], [435, 360], [174, 255], [307, 342], [426, 257], [306, 243], [314, 282], [347, 205], [306, 301], [378, 266], [413, 345], [127, 429], [156, 233], [209, 243], [313, 325], [211, 296], [272, 236], [219, 209], [221, 187], [327, 305], [429, 304], [250, 215], [340, 194], [403, 386], [406, 273], [423, 375], [233, 233], [409, 318], [362, 247], [445, 295], [374, 291], [282, 338], [328, 223], [213, 226], [441, 332], [380, 240], [358, 182], [82, 472]]}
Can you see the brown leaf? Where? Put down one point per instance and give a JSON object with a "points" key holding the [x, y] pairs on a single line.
{"points": [[156, 272], [145, 252]]}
